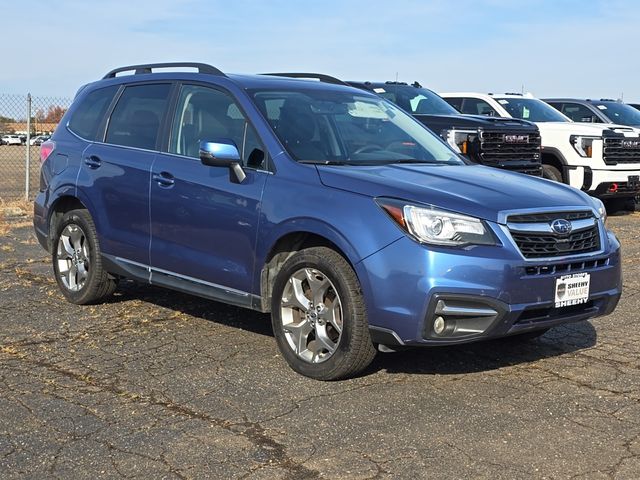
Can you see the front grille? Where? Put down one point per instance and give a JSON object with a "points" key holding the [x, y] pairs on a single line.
{"points": [[549, 217], [564, 268], [621, 150], [545, 244], [520, 155]]}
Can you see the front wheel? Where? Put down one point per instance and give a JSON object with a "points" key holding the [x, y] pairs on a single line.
{"points": [[319, 317], [551, 173]]}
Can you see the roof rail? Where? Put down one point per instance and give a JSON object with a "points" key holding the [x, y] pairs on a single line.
{"points": [[148, 68], [317, 76]]}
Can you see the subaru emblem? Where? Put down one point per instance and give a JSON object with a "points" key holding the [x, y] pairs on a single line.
{"points": [[561, 226]]}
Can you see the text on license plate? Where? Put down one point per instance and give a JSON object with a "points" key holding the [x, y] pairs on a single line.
{"points": [[572, 289]]}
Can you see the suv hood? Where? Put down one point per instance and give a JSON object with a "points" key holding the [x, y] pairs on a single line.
{"points": [[577, 128], [473, 190], [438, 123]]}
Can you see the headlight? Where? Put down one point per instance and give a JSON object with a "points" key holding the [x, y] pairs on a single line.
{"points": [[460, 140], [583, 145], [437, 227], [600, 208]]}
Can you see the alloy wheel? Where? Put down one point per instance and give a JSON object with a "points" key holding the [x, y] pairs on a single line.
{"points": [[72, 257], [311, 313]]}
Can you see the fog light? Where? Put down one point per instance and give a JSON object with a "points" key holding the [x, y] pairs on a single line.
{"points": [[439, 325]]}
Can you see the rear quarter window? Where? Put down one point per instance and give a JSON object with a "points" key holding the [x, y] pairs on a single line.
{"points": [[87, 117]]}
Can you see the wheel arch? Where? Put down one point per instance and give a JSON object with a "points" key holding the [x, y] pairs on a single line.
{"points": [[287, 245], [61, 205], [553, 157]]}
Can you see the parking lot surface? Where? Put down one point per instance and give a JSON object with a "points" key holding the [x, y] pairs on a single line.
{"points": [[156, 384]]}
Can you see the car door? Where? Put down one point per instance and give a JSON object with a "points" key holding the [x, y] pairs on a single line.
{"points": [[115, 174], [203, 225]]}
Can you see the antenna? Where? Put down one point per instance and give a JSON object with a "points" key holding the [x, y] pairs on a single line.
{"points": [[396, 77], [522, 89]]}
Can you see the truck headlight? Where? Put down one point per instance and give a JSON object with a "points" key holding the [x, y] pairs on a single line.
{"points": [[583, 145], [433, 226], [460, 140]]}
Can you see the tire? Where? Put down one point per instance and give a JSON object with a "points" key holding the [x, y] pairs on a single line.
{"points": [[77, 261], [319, 317], [551, 173]]}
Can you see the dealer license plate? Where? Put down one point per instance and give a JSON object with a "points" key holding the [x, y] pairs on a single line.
{"points": [[572, 289]]}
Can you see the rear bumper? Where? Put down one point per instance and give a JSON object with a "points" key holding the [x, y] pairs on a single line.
{"points": [[404, 283], [40, 223]]}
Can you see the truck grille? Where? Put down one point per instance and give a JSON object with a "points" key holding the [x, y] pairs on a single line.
{"points": [[519, 152], [543, 242], [621, 150]]}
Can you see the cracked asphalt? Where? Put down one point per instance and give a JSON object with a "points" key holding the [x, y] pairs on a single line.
{"points": [[156, 384]]}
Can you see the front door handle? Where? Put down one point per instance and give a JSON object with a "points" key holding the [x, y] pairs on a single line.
{"points": [[93, 161], [164, 179]]}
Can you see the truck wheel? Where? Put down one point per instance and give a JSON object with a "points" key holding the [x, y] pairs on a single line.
{"points": [[77, 262], [319, 317], [551, 173]]}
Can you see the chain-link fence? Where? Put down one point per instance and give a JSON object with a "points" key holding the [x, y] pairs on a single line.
{"points": [[25, 122]]}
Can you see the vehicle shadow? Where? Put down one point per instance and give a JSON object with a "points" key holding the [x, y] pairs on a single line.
{"points": [[445, 360], [242, 318], [487, 355]]}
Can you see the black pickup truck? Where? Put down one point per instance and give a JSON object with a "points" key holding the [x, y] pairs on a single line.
{"points": [[506, 143]]}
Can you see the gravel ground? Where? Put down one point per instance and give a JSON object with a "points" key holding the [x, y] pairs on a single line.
{"points": [[156, 384]]}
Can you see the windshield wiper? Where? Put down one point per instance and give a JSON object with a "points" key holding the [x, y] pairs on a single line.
{"points": [[428, 162]]}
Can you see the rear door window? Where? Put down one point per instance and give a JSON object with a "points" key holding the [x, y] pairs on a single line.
{"points": [[136, 119], [86, 119]]}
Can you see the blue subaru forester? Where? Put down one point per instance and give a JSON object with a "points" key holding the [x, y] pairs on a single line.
{"points": [[329, 207]]}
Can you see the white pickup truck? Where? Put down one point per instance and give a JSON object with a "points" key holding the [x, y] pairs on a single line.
{"points": [[603, 160]]}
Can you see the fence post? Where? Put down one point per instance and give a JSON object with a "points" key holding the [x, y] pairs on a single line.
{"points": [[28, 149]]}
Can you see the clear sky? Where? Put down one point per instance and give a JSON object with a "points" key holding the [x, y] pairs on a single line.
{"points": [[582, 48]]}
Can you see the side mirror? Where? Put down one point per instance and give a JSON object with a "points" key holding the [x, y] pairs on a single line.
{"points": [[223, 153]]}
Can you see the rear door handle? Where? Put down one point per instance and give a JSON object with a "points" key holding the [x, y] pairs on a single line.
{"points": [[93, 161], [164, 179]]}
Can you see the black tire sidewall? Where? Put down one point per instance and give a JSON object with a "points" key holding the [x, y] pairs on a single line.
{"points": [[551, 173], [329, 368]]}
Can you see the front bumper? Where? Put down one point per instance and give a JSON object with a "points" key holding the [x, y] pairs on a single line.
{"points": [[605, 183], [404, 282]]}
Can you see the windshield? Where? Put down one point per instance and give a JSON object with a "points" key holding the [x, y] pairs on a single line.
{"points": [[416, 100], [620, 113], [343, 127], [531, 109]]}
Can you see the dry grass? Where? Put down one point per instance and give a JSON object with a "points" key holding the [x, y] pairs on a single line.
{"points": [[8, 221]]}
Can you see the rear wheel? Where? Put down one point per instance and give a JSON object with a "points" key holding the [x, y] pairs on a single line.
{"points": [[551, 173], [318, 316], [77, 261]]}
